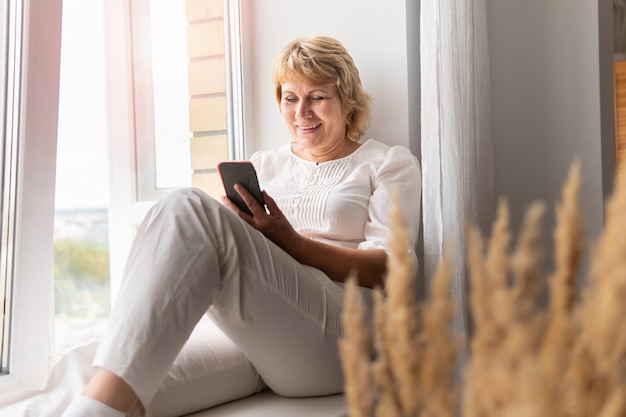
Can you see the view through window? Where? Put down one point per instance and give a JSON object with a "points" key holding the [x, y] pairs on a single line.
{"points": [[81, 245], [82, 203]]}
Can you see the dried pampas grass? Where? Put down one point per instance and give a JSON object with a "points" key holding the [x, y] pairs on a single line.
{"points": [[354, 348], [564, 360], [415, 353]]}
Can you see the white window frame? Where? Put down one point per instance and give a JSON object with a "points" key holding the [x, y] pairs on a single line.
{"points": [[6, 164], [142, 81], [31, 340], [125, 212], [235, 79]]}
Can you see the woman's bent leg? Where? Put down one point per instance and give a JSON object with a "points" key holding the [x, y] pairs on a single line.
{"points": [[192, 253], [173, 274], [288, 326], [209, 370]]}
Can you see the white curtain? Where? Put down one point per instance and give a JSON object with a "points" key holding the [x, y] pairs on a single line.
{"points": [[457, 149]]}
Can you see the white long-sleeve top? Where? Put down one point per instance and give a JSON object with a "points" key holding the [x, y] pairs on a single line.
{"points": [[344, 202]]}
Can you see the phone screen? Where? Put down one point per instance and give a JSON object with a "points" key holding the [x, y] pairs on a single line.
{"points": [[240, 172]]}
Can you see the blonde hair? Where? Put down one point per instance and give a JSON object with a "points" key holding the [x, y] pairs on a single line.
{"points": [[324, 60]]}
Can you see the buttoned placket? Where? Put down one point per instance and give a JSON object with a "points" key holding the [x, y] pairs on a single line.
{"points": [[297, 199]]}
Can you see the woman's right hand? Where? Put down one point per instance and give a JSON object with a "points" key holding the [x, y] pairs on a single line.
{"points": [[269, 220], [336, 262]]}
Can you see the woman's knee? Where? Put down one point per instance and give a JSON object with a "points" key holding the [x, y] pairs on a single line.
{"points": [[187, 195], [187, 201]]}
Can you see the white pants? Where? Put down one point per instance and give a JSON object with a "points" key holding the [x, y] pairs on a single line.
{"points": [[192, 255]]}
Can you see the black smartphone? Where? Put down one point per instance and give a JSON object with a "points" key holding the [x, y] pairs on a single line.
{"points": [[240, 172]]}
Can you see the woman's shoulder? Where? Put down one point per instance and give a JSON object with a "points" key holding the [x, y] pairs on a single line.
{"points": [[271, 156], [375, 150]]}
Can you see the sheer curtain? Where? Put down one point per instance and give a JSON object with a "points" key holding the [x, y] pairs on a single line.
{"points": [[457, 149]]}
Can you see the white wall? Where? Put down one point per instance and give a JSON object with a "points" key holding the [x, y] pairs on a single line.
{"points": [[373, 31], [546, 102], [551, 86]]}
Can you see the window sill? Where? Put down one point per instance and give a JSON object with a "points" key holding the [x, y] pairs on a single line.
{"points": [[13, 390]]}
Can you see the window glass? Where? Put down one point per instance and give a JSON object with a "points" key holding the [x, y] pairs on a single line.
{"points": [[81, 238], [161, 98], [171, 109]]}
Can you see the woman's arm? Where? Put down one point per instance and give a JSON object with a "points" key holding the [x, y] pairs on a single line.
{"points": [[336, 262]]}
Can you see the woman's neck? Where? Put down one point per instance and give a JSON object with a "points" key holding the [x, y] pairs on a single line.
{"points": [[324, 155]]}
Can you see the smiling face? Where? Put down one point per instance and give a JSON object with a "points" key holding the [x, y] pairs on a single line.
{"points": [[316, 119]]}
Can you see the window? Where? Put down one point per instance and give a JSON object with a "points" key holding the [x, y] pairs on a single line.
{"points": [[186, 80], [149, 97], [33, 122], [81, 238], [208, 115]]}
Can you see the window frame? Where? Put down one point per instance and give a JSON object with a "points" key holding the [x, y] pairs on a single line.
{"points": [[142, 82], [234, 79], [31, 341], [6, 168]]}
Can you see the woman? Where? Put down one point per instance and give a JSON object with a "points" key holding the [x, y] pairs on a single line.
{"points": [[271, 281]]}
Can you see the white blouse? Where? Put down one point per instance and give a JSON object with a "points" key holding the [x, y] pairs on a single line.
{"points": [[344, 202]]}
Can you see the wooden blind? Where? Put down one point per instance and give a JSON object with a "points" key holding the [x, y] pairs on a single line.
{"points": [[620, 110]]}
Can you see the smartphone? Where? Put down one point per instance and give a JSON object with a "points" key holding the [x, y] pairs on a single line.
{"points": [[240, 172]]}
